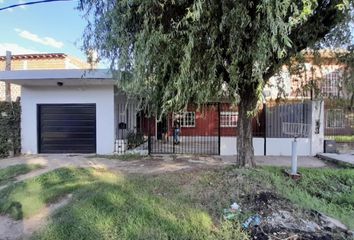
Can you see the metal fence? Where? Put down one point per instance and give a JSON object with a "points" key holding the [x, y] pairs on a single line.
{"points": [[277, 114], [339, 126], [199, 129], [193, 131]]}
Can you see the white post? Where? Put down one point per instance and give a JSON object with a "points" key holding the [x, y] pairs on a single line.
{"points": [[294, 157], [8, 85], [316, 136]]}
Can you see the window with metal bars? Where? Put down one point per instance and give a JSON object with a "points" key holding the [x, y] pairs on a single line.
{"points": [[228, 119], [187, 119], [330, 86]]}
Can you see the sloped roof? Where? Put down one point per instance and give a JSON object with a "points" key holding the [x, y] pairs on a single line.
{"points": [[35, 56]]}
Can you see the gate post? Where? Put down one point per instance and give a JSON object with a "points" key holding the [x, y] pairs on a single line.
{"points": [[149, 144], [219, 137], [317, 127], [265, 127]]}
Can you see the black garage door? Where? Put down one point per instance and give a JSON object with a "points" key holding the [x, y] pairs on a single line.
{"points": [[67, 128]]}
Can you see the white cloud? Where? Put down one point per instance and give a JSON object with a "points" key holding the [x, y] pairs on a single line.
{"points": [[48, 41], [23, 6], [1, 1], [15, 49]]}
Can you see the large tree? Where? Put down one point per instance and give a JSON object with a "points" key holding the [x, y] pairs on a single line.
{"points": [[182, 51]]}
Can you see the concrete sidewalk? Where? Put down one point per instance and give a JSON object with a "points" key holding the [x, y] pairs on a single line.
{"points": [[282, 161], [346, 158]]}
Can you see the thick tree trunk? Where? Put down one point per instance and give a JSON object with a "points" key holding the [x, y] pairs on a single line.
{"points": [[245, 151], [351, 102]]}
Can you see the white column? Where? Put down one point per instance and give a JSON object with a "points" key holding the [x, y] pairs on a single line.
{"points": [[317, 131]]}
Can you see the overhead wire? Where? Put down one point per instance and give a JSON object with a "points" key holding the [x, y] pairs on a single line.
{"points": [[31, 3]]}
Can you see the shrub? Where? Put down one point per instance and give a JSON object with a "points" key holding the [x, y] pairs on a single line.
{"points": [[10, 133], [134, 139]]}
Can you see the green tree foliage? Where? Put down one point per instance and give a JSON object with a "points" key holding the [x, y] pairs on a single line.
{"points": [[202, 50]]}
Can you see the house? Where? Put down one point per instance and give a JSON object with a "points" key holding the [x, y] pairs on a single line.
{"points": [[83, 111], [70, 110], [37, 62], [319, 77]]}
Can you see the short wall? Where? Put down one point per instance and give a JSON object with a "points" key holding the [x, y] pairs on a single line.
{"points": [[258, 146], [282, 146], [228, 146], [102, 96], [275, 146]]}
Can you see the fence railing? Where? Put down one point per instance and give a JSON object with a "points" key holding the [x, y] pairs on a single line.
{"points": [[339, 126], [201, 128], [276, 114]]}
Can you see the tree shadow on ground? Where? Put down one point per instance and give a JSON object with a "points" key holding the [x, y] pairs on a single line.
{"points": [[128, 210]]}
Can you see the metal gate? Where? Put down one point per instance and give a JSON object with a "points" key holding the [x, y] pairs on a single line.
{"points": [[194, 131], [339, 126]]}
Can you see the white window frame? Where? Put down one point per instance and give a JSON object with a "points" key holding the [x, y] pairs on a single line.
{"points": [[228, 123], [333, 123], [330, 86], [186, 117]]}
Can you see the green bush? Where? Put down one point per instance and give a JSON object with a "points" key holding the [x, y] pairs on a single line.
{"points": [[134, 139], [10, 135]]}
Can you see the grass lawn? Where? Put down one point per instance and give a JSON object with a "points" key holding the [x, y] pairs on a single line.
{"points": [[184, 205], [10, 173], [342, 138]]}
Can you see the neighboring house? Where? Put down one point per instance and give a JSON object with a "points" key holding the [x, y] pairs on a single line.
{"points": [[37, 62], [317, 77]]}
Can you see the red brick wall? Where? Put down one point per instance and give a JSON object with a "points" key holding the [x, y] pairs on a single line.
{"points": [[207, 122]]}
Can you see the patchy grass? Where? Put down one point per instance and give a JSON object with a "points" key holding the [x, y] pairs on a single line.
{"points": [[130, 211], [327, 190], [123, 157], [24, 199], [182, 205], [10, 173], [342, 138], [108, 206]]}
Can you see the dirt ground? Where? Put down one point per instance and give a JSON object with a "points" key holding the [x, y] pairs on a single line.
{"points": [[283, 220], [11, 229], [155, 164], [149, 165]]}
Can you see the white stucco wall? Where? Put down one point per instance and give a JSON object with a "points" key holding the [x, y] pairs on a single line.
{"points": [[102, 96], [275, 146], [317, 137], [228, 146], [282, 146]]}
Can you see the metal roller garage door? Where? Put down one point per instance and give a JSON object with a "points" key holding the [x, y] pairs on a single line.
{"points": [[67, 128]]}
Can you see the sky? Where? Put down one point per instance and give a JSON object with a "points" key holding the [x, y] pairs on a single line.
{"points": [[55, 27]]}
